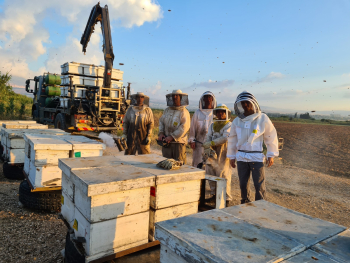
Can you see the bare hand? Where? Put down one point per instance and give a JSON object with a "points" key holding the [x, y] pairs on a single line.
{"points": [[161, 137], [233, 163], [169, 139], [193, 145], [269, 161]]}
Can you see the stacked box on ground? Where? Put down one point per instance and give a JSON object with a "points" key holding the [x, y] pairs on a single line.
{"points": [[111, 203]]}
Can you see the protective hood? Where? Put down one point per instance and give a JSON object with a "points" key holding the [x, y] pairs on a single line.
{"points": [[184, 98], [202, 103], [222, 107], [245, 96], [134, 101]]}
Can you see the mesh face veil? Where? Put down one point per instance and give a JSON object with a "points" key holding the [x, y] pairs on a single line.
{"points": [[202, 102], [183, 98], [134, 101], [222, 107], [245, 96]]}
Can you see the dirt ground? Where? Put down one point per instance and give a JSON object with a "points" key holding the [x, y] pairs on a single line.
{"points": [[31, 236]]}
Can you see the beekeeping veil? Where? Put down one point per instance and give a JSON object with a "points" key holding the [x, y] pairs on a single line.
{"points": [[134, 100], [202, 102], [245, 96], [183, 96], [222, 107]]}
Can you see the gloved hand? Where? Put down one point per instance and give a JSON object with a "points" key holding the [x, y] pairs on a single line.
{"points": [[209, 153], [124, 137], [148, 140], [169, 164], [207, 145]]}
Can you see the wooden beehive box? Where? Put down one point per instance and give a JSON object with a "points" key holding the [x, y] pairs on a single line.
{"points": [[173, 187], [253, 232], [84, 147], [13, 122], [22, 125], [15, 144], [111, 206]]}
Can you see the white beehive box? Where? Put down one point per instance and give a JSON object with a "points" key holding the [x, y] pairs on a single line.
{"points": [[253, 232], [88, 70], [173, 187], [64, 102], [112, 200], [88, 81], [44, 151], [24, 126], [111, 236], [18, 121], [64, 91], [15, 144]]}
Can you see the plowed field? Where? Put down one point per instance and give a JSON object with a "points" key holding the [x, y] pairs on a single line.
{"points": [[321, 148]]}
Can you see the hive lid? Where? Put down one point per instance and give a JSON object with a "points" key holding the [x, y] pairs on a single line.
{"points": [[337, 247], [83, 143], [147, 162], [216, 236], [110, 179], [69, 164], [309, 256], [303, 228], [44, 142], [12, 133], [24, 126]]}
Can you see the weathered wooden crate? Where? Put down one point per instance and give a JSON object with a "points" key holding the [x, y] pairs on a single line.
{"points": [[164, 214], [45, 176], [84, 147], [67, 209], [110, 236], [254, 232]]}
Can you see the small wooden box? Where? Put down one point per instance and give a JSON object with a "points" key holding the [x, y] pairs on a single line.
{"points": [[44, 176], [170, 213], [110, 234]]}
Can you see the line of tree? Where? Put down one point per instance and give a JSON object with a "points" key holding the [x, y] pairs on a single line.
{"points": [[12, 105]]}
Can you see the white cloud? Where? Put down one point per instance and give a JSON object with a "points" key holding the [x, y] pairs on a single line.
{"points": [[23, 36], [271, 76], [156, 88], [211, 84]]}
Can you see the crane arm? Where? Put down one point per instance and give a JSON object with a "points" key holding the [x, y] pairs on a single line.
{"points": [[100, 14]]}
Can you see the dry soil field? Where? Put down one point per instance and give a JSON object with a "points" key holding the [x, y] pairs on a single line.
{"points": [[313, 179]]}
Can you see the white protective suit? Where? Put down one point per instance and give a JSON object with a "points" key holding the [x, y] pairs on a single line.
{"points": [[201, 120], [247, 135], [218, 133]]}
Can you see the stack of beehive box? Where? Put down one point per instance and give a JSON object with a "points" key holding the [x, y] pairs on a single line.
{"points": [[12, 140], [87, 75], [107, 203], [176, 192], [13, 122], [43, 151], [97, 192]]}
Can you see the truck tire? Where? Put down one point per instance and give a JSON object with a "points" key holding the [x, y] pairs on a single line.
{"points": [[71, 253], [1, 152], [13, 172], [47, 201], [60, 121]]}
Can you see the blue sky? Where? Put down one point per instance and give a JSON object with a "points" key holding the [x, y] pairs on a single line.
{"points": [[281, 51]]}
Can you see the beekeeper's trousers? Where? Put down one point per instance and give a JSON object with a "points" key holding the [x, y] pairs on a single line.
{"points": [[175, 151], [258, 173]]}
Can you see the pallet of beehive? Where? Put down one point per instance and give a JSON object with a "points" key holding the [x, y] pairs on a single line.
{"points": [[89, 70], [13, 122]]}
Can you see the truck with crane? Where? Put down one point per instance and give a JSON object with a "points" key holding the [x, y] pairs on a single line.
{"points": [[84, 97]]}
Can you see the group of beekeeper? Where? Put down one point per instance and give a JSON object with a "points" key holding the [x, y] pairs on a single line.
{"points": [[217, 143]]}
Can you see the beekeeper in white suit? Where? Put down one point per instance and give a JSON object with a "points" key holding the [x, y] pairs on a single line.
{"points": [[201, 120], [245, 145], [216, 139], [174, 125]]}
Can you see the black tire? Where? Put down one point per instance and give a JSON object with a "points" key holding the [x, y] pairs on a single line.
{"points": [[47, 201], [1, 152], [60, 121], [71, 253], [13, 172]]}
